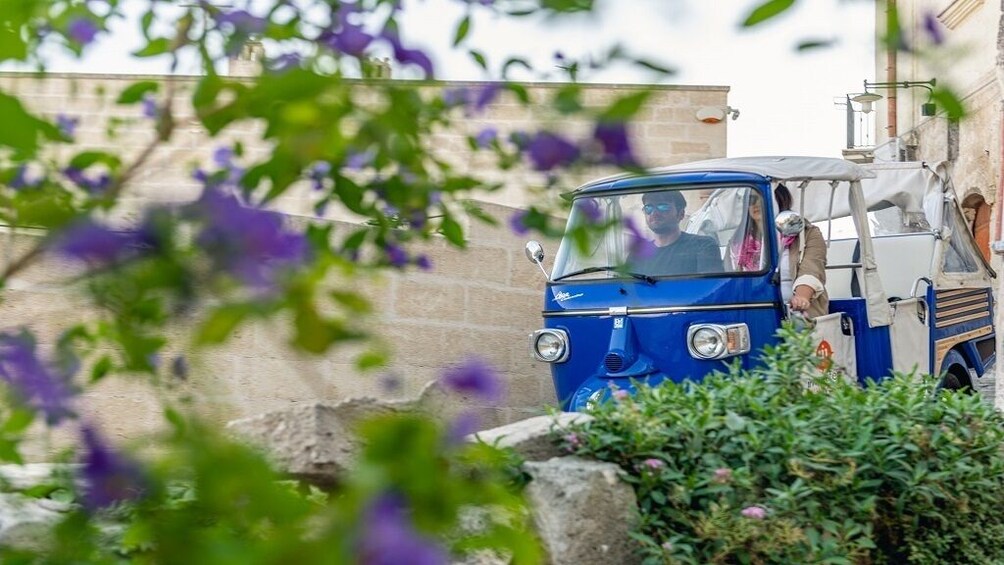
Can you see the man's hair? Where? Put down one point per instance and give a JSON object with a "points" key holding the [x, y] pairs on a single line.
{"points": [[674, 197]]}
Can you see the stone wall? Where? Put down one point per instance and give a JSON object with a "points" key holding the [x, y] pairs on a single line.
{"points": [[482, 301]]}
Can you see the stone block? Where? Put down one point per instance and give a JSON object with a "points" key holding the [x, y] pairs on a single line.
{"points": [[583, 512], [440, 300], [501, 308], [476, 264], [315, 442], [533, 439]]}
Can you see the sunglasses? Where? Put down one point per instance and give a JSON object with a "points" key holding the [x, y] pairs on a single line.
{"points": [[662, 207]]}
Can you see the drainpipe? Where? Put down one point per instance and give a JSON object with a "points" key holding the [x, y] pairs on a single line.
{"points": [[890, 76]]}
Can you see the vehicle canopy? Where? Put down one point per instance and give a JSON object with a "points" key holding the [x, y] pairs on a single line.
{"points": [[851, 203]]}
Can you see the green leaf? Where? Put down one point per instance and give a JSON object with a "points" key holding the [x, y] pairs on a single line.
{"points": [[625, 107], [949, 102], [221, 323], [515, 61], [18, 421], [813, 44], [766, 11], [21, 131], [85, 159], [135, 92], [463, 28], [371, 360], [101, 368], [653, 66], [479, 59], [453, 231], [155, 47]]}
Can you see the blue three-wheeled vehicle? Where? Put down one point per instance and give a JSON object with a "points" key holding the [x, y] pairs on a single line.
{"points": [[908, 288]]}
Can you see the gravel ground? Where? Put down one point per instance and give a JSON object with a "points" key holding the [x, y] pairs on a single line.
{"points": [[987, 387]]}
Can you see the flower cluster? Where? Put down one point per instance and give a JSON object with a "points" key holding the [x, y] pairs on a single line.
{"points": [[36, 383], [108, 476], [475, 377], [388, 537]]}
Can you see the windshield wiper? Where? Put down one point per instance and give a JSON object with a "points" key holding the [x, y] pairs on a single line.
{"points": [[587, 270]]}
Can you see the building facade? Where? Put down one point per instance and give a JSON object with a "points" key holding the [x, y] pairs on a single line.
{"points": [[482, 301]]}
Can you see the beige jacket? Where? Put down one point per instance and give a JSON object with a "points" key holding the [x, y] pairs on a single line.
{"points": [[810, 268]]}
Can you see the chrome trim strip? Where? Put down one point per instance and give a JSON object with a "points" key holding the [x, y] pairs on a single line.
{"points": [[657, 309]]}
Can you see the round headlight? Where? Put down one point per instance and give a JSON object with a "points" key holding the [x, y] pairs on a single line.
{"points": [[708, 343], [549, 346]]}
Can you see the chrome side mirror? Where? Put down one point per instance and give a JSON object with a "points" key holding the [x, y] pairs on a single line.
{"points": [[789, 223], [535, 254]]}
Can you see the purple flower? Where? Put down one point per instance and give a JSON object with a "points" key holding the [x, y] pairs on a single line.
{"points": [[285, 62], [486, 96], [318, 172], [242, 21], [933, 28], [548, 151], [389, 538], [722, 475], [423, 262], [67, 125], [653, 464], [517, 222], [408, 56], [621, 394], [90, 183], [462, 426], [486, 137], [559, 56], [397, 256], [82, 30], [38, 385], [476, 377], [456, 96], [223, 157], [351, 40], [613, 138], [109, 477], [638, 246], [355, 161], [179, 367], [150, 106], [754, 512], [91, 242], [247, 242], [23, 178], [589, 208]]}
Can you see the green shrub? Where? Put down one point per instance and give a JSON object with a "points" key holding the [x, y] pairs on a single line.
{"points": [[750, 467]]}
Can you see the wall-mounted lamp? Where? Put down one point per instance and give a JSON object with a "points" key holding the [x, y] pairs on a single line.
{"points": [[927, 109], [715, 114]]}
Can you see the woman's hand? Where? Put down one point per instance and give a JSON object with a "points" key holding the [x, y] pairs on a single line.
{"points": [[801, 298], [799, 304]]}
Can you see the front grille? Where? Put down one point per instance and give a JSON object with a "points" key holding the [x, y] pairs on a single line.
{"points": [[614, 363]]}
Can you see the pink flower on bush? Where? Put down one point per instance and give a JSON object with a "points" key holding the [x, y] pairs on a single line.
{"points": [[667, 546], [653, 464], [754, 512], [722, 475], [573, 441], [621, 394]]}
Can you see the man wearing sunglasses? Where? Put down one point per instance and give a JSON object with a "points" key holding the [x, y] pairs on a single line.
{"points": [[676, 252]]}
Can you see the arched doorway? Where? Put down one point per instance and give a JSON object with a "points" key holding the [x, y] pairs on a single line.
{"points": [[978, 213]]}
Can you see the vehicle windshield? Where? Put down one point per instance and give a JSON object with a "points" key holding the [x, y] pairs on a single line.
{"points": [[664, 232]]}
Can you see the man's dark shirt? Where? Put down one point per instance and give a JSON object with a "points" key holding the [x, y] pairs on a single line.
{"points": [[689, 255]]}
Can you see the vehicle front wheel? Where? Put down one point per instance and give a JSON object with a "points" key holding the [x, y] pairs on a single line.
{"points": [[955, 374]]}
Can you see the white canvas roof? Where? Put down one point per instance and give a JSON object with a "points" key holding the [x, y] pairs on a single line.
{"points": [[913, 187], [779, 168]]}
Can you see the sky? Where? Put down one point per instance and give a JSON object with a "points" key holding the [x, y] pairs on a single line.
{"points": [[787, 101]]}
